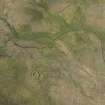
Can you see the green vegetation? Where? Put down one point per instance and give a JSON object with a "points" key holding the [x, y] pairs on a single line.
{"points": [[72, 57], [3, 51]]}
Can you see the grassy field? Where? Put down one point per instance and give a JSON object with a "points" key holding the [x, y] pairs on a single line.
{"points": [[52, 53]]}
